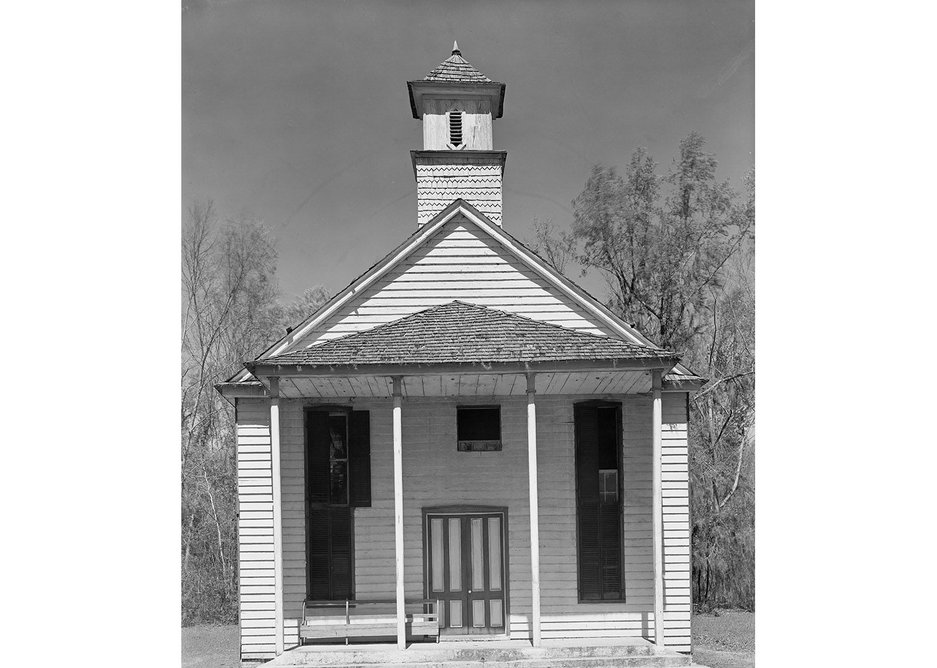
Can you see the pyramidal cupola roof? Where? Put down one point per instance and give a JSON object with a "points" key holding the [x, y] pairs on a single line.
{"points": [[456, 69], [456, 77]]}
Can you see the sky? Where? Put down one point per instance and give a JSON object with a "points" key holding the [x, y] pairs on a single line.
{"points": [[297, 114]]}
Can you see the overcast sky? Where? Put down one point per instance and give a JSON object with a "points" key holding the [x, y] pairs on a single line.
{"points": [[297, 112]]}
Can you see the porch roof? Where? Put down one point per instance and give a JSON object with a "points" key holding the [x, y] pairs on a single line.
{"points": [[461, 333]]}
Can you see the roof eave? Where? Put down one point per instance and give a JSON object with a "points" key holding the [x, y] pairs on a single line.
{"points": [[266, 368], [455, 156], [496, 92]]}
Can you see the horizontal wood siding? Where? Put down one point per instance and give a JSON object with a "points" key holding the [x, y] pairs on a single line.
{"points": [[676, 517], [255, 529], [436, 474], [459, 262]]}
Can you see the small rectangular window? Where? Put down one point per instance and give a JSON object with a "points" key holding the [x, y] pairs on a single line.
{"points": [[479, 428]]}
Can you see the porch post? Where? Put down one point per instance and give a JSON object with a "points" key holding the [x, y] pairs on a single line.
{"points": [[657, 500], [534, 508], [277, 514], [398, 514]]}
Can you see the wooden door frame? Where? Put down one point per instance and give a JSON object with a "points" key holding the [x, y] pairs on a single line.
{"points": [[505, 556]]}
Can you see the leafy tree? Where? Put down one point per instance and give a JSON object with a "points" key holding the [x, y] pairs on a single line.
{"points": [[676, 251], [661, 252]]}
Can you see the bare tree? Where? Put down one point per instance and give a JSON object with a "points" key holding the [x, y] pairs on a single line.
{"points": [[230, 313]]}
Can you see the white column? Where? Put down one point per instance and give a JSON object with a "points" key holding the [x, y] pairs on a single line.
{"points": [[398, 514], [534, 509], [277, 514], [657, 500]]}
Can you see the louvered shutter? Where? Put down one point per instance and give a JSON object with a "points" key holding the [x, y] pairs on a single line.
{"points": [[342, 575], [359, 452], [317, 457], [317, 552]]}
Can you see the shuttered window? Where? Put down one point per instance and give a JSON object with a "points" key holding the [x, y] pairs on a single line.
{"points": [[338, 478], [598, 501]]}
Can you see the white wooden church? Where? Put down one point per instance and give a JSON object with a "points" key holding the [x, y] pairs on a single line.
{"points": [[463, 445]]}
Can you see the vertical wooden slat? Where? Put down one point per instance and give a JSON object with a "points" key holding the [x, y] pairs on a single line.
{"points": [[398, 513], [534, 508], [277, 515], [657, 516]]}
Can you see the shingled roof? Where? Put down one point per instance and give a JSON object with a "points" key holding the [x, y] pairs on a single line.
{"points": [[457, 332], [456, 69]]}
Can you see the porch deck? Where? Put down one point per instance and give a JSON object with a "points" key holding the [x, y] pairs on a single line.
{"points": [[581, 653]]}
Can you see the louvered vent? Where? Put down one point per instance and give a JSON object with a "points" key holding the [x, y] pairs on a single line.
{"points": [[455, 128]]}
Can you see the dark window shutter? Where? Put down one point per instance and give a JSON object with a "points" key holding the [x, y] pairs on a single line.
{"points": [[317, 553], [359, 441], [329, 553], [342, 574], [587, 453], [317, 457]]}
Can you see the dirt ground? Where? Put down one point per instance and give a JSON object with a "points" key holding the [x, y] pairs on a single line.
{"points": [[210, 647], [726, 640]]}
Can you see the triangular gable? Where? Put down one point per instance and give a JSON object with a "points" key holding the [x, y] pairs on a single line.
{"points": [[458, 255]]}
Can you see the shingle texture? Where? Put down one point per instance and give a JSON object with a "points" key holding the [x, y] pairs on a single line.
{"points": [[457, 69], [465, 333]]}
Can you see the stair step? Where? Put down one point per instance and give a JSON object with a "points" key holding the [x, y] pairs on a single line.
{"points": [[573, 657]]}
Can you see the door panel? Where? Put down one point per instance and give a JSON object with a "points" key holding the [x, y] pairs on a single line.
{"points": [[466, 564]]}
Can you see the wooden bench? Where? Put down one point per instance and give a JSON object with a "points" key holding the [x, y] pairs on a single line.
{"points": [[337, 620]]}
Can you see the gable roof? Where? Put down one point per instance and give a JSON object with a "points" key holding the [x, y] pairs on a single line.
{"points": [[458, 332], [572, 291]]}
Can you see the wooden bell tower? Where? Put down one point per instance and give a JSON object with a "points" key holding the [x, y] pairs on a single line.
{"points": [[457, 104]]}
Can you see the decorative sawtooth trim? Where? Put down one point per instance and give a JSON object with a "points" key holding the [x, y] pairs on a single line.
{"points": [[478, 204], [495, 216], [460, 179], [480, 168], [431, 193]]}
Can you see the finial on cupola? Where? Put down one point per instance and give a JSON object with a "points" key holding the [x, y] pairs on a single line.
{"points": [[455, 48]]}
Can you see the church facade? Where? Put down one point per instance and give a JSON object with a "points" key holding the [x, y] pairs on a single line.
{"points": [[462, 443]]}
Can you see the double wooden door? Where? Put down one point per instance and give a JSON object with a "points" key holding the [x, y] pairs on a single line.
{"points": [[465, 571]]}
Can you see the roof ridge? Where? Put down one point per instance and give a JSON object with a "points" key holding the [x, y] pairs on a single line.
{"points": [[498, 313]]}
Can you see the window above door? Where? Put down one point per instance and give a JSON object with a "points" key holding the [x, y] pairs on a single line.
{"points": [[478, 428]]}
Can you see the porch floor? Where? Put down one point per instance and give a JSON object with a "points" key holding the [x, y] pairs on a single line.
{"points": [[577, 653]]}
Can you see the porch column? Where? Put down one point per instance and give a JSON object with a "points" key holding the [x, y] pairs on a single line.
{"points": [[277, 514], [398, 514], [534, 508], [657, 500]]}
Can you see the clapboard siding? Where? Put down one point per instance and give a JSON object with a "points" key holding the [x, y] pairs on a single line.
{"points": [[458, 262], [676, 521], [436, 474], [255, 529]]}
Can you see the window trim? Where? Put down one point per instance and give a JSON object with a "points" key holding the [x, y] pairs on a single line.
{"points": [[329, 409]]}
